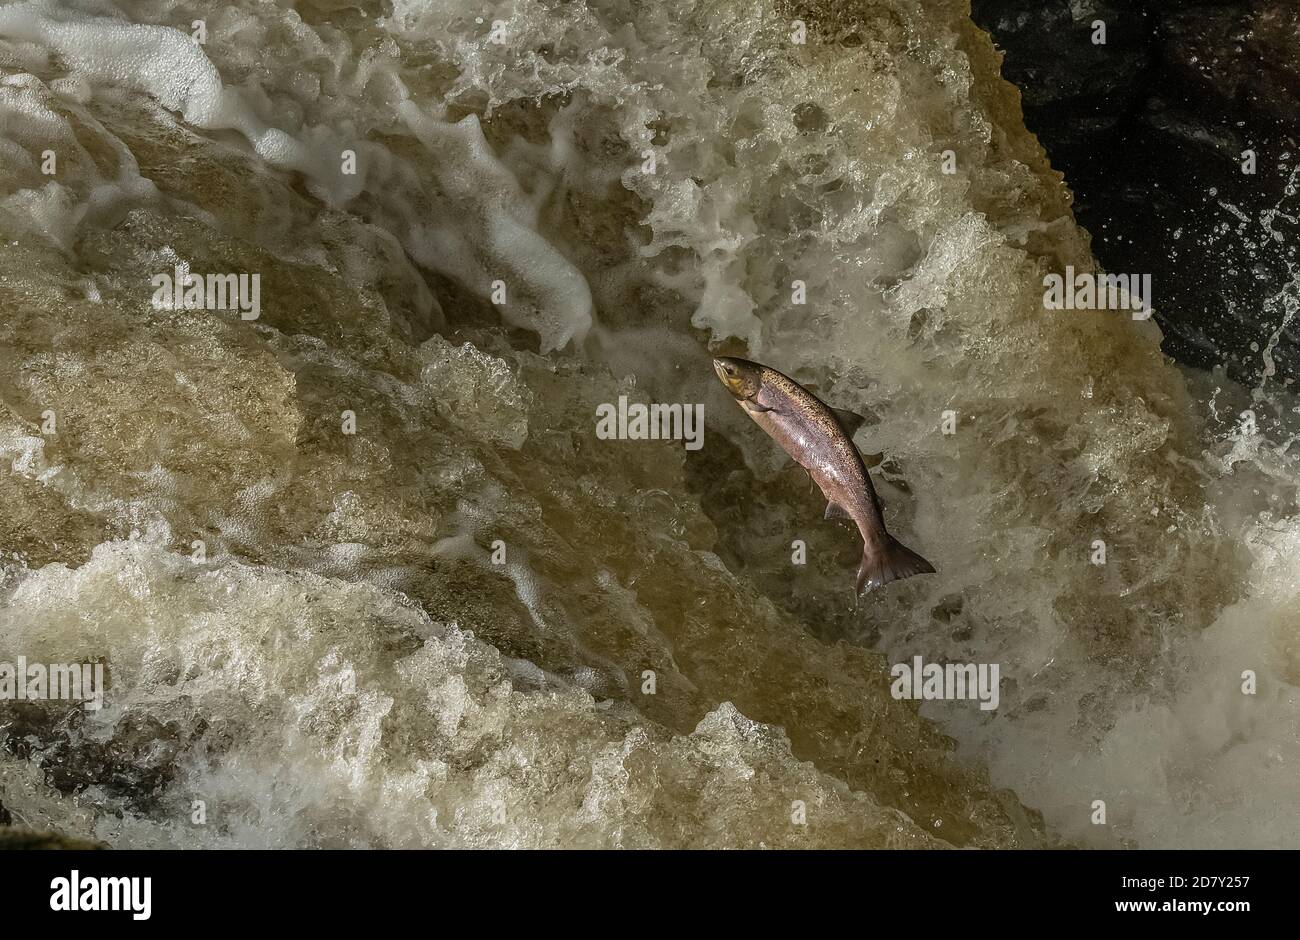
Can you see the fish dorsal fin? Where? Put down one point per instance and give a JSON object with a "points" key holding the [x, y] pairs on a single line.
{"points": [[836, 511], [850, 421]]}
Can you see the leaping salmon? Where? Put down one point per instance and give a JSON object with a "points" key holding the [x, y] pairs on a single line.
{"points": [[820, 439]]}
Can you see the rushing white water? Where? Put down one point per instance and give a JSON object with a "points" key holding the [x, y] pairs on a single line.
{"points": [[341, 661]]}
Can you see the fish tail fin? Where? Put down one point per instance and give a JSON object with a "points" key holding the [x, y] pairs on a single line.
{"points": [[891, 562]]}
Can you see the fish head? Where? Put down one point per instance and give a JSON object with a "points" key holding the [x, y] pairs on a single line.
{"points": [[741, 377]]}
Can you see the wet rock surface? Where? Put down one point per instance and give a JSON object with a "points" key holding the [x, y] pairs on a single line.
{"points": [[12, 838], [20, 837]]}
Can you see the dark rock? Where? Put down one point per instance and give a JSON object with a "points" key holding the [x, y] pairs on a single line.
{"points": [[1150, 130]]}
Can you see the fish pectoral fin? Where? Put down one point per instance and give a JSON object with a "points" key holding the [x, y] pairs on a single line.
{"points": [[836, 511], [756, 408], [850, 421]]}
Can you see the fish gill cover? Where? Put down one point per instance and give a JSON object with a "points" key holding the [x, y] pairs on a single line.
{"points": [[361, 573]]}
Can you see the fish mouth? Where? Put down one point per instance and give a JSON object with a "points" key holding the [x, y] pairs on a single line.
{"points": [[727, 374]]}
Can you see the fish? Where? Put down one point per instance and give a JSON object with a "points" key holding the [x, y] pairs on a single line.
{"points": [[820, 439]]}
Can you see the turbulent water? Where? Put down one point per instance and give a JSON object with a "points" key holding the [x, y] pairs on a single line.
{"points": [[474, 622]]}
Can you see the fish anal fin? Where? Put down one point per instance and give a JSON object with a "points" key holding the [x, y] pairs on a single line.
{"points": [[836, 511]]}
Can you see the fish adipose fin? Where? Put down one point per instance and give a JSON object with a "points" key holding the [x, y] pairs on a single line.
{"points": [[835, 511], [892, 563]]}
